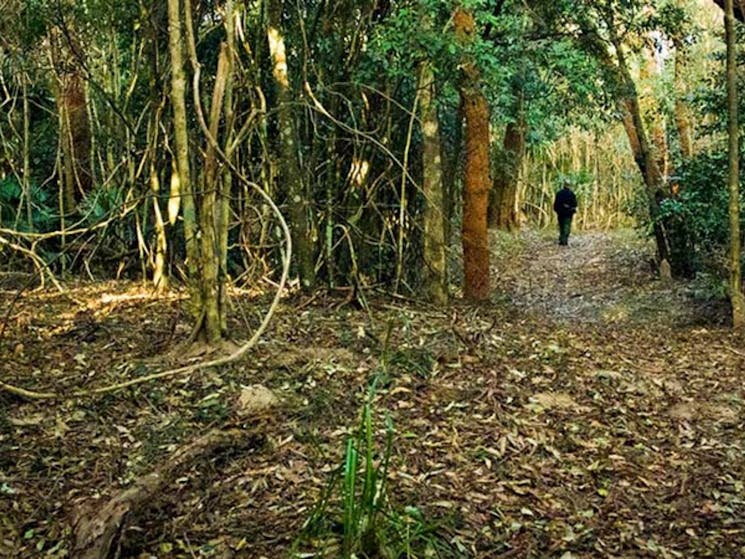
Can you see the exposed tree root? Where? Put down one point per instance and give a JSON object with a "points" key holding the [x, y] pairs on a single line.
{"points": [[99, 531]]}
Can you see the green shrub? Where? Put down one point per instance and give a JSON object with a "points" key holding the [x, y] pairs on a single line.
{"points": [[13, 207]]}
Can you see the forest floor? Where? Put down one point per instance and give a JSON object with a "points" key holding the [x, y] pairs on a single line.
{"points": [[588, 410]]}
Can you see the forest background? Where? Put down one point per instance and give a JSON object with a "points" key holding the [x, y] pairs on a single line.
{"points": [[143, 142], [304, 148]]}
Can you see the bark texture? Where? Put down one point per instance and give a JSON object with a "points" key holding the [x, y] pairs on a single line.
{"points": [[74, 125], [209, 259], [433, 186], [476, 180], [503, 199], [290, 171], [735, 283], [181, 178]]}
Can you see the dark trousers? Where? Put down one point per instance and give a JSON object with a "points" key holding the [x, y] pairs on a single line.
{"points": [[565, 227]]}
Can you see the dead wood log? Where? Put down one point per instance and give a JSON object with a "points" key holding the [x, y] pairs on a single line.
{"points": [[98, 532]]}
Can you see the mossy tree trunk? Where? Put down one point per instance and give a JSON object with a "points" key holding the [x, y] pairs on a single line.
{"points": [[433, 189], [199, 227], [289, 161], [181, 185], [503, 197], [225, 188], [211, 280]]}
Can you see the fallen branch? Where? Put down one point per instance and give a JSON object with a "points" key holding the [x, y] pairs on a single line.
{"points": [[97, 532]]}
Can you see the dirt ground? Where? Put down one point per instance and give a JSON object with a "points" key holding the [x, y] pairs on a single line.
{"points": [[588, 410]]}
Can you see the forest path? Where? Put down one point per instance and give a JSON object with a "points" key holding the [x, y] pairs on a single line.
{"points": [[587, 411], [601, 277]]}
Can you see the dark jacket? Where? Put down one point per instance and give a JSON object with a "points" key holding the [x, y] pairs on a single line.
{"points": [[565, 203]]}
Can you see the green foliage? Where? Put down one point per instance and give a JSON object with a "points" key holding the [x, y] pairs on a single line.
{"points": [[703, 199], [702, 208], [13, 211]]}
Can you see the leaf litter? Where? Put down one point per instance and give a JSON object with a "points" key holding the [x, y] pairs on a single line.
{"points": [[589, 410]]}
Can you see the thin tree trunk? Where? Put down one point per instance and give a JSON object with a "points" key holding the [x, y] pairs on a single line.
{"points": [[78, 133], [476, 181], [735, 283], [210, 279], [403, 199], [160, 277], [226, 186], [681, 111], [26, 183], [290, 164], [433, 189], [181, 180], [67, 183]]}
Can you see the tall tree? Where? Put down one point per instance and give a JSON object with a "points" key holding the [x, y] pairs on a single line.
{"points": [[738, 8], [476, 180], [433, 189], [181, 184], [503, 196], [72, 106], [289, 161], [199, 226], [733, 131], [619, 70]]}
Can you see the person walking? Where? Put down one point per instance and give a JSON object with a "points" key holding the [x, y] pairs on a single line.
{"points": [[565, 205]]}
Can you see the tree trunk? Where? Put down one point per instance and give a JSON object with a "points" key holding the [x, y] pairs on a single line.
{"points": [[181, 184], [680, 110], [503, 197], [209, 263], [738, 9], [433, 189], [650, 72], [735, 283], [476, 180], [290, 170], [641, 150], [26, 182], [226, 187], [72, 106], [160, 276]]}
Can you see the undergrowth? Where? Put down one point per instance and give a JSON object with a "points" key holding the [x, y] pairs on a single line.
{"points": [[353, 518]]}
